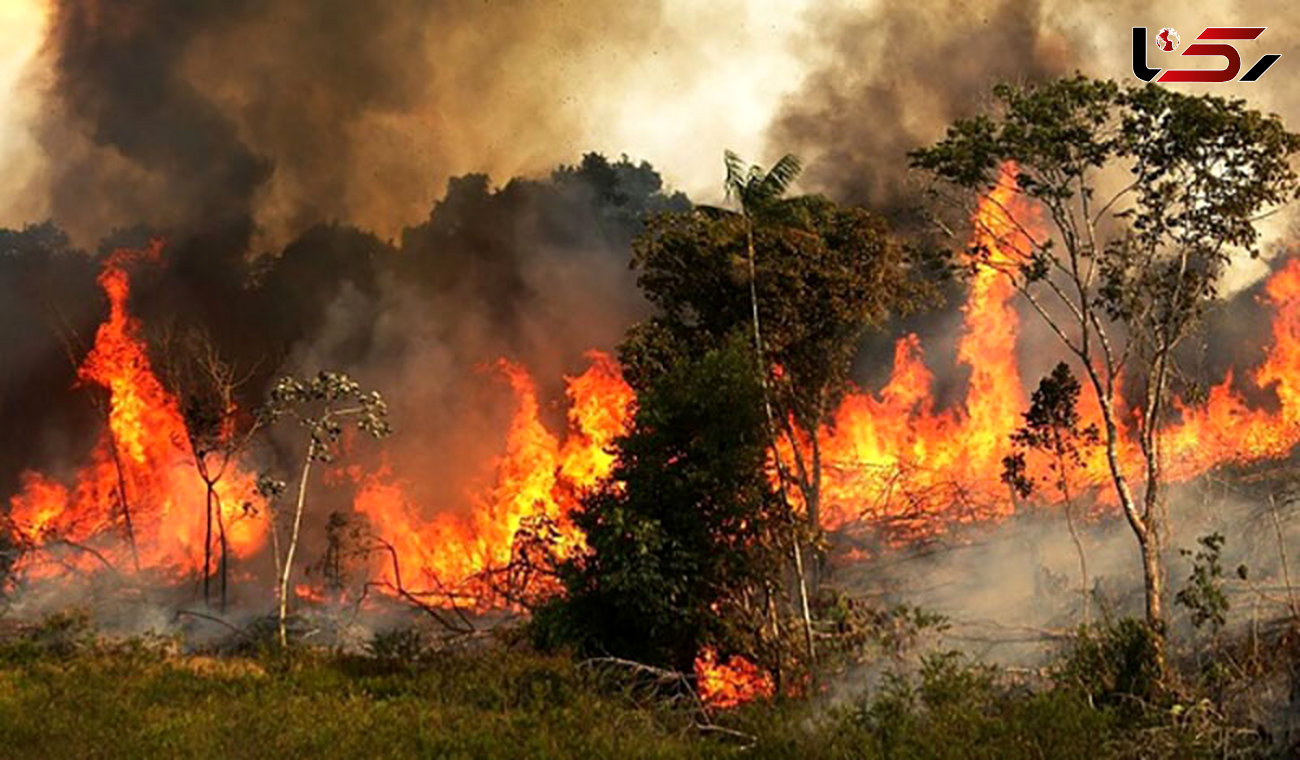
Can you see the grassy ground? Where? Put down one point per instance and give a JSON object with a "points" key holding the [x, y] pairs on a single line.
{"points": [[140, 704], [64, 696]]}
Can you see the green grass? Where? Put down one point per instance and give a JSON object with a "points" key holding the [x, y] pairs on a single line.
{"points": [[62, 695], [141, 704]]}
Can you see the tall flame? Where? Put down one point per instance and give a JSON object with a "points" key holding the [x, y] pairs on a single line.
{"points": [[537, 481], [891, 456], [140, 500], [892, 459]]}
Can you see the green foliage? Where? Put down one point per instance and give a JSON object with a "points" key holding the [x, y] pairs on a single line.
{"points": [[824, 274], [1052, 425], [399, 647], [1114, 665], [58, 636], [1203, 593], [757, 191], [497, 705], [863, 633], [141, 699], [320, 403], [951, 708], [679, 535], [1120, 269], [1202, 169]]}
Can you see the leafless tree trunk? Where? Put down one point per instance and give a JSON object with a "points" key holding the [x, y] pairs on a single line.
{"points": [[287, 570], [801, 577], [125, 504], [1070, 521]]}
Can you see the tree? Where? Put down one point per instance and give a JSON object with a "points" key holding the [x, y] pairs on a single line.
{"points": [[1130, 264], [218, 434], [684, 539], [320, 405], [805, 276], [1054, 428]]}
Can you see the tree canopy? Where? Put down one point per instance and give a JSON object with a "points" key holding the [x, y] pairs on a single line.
{"points": [[680, 549]]}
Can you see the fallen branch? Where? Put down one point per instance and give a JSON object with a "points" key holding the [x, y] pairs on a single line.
{"points": [[466, 626], [213, 618], [682, 683]]}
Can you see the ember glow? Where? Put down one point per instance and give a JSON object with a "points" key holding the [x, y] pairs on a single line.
{"points": [[730, 683]]}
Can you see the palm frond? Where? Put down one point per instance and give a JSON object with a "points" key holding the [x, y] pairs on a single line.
{"points": [[779, 178], [736, 180], [714, 212]]}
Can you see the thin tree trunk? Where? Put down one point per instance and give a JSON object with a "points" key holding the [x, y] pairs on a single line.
{"points": [[803, 603], [207, 549], [1153, 578], [771, 427], [1139, 522], [126, 506], [1083, 560], [287, 570], [223, 565]]}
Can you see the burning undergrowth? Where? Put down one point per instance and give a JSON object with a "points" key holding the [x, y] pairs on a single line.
{"points": [[900, 471]]}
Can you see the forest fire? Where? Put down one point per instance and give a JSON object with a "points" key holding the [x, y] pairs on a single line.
{"points": [[141, 494], [893, 459], [538, 478], [138, 502], [891, 456]]}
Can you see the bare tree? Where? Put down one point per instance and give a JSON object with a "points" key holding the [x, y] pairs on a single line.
{"points": [[321, 406], [218, 434]]}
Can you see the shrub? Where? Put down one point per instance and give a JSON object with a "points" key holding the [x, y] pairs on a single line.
{"points": [[1114, 665]]}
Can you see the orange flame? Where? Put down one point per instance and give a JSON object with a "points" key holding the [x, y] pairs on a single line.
{"points": [[892, 459], [891, 456], [732, 683], [142, 469], [538, 480]]}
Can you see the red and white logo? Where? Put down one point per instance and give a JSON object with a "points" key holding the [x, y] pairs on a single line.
{"points": [[1214, 43]]}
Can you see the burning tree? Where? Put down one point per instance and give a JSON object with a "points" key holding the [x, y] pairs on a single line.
{"points": [[320, 405], [1134, 261], [218, 433], [139, 482]]}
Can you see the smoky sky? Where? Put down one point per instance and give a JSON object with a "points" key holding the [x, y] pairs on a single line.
{"points": [[892, 76], [284, 114]]}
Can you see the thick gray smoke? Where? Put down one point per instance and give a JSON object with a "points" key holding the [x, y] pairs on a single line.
{"points": [[296, 112], [888, 78]]}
